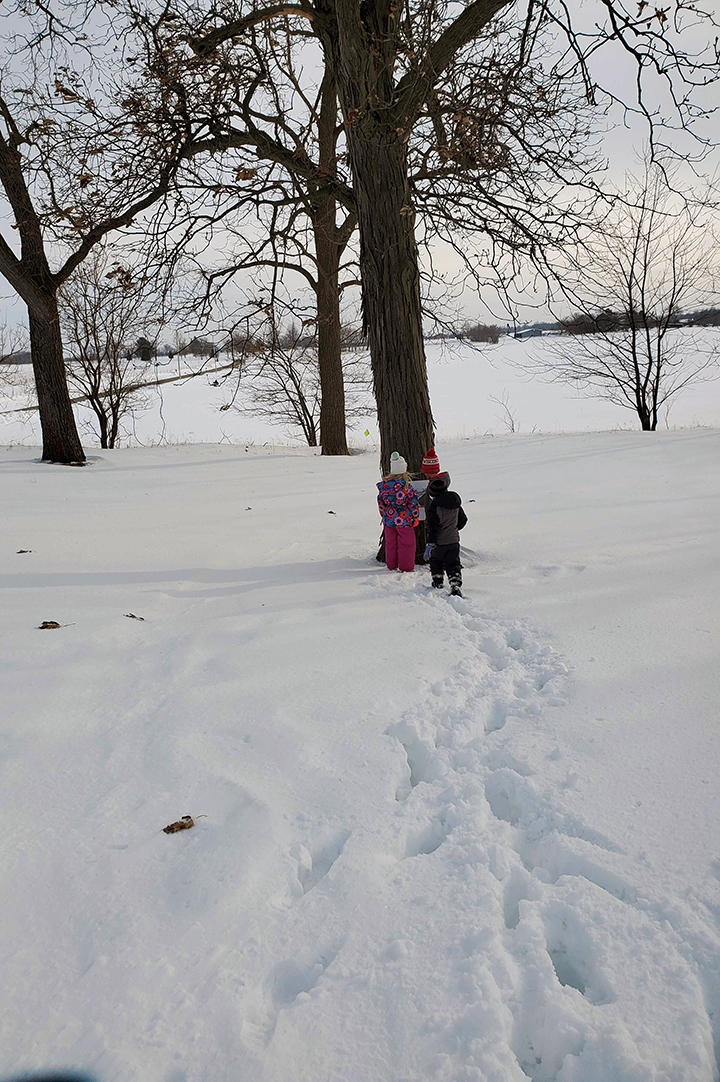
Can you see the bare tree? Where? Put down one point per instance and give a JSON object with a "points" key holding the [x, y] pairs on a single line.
{"points": [[299, 232], [77, 163], [648, 261], [278, 374], [509, 413], [285, 389], [388, 62], [106, 309], [471, 125], [266, 191], [492, 140]]}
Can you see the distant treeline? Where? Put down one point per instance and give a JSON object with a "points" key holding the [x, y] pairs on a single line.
{"points": [[583, 323], [481, 332], [605, 321]]}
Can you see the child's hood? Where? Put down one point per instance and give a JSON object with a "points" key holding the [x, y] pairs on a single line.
{"points": [[447, 499]]}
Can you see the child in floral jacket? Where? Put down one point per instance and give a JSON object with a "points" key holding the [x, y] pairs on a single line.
{"points": [[398, 504]]}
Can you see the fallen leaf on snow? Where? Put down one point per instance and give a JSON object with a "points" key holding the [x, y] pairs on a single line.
{"points": [[49, 625], [185, 823], [23, 550], [132, 616]]}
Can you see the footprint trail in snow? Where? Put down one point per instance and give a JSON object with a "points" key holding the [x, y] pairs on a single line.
{"points": [[475, 928]]}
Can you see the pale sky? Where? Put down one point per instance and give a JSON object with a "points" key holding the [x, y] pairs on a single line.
{"points": [[622, 142]]}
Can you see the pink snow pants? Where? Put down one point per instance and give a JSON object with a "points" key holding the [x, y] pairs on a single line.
{"points": [[400, 548]]}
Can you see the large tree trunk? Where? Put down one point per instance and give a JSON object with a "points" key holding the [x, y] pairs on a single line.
{"points": [[328, 249], [391, 293], [363, 60], [333, 437], [30, 276], [61, 442]]}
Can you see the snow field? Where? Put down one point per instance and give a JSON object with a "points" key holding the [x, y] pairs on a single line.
{"points": [[468, 385], [414, 861]]}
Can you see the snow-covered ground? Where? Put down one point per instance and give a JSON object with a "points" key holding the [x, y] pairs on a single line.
{"points": [[468, 387], [463, 840]]}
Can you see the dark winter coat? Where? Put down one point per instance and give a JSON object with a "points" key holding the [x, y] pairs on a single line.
{"points": [[445, 518]]}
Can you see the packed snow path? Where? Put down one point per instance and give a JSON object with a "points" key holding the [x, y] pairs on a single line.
{"points": [[394, 879]]}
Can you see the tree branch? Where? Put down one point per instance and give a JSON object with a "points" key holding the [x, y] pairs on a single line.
{"points": [[11, 268], [414, 87], [206, 44]]}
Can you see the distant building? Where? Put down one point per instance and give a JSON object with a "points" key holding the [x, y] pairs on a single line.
{"points": [[529, 332]]}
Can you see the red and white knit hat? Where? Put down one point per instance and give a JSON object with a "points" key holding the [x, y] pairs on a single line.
{"points": [[431, 464]]}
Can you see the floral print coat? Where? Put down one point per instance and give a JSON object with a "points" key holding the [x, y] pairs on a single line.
{"points": [[398, 503]]}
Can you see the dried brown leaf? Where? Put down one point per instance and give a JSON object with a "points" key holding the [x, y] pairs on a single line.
{"points": [[185, 823]]}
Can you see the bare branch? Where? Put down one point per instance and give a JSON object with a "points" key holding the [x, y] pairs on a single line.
{"points": [[205, 45]]}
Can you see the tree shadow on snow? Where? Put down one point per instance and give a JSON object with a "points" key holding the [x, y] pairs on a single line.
{"points": [[221, 582], [61, 1076]]}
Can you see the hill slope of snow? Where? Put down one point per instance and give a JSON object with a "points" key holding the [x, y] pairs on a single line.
{"points": [[449, 839]]}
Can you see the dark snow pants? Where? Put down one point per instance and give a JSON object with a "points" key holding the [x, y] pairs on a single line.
{"points": [[446, 559]]}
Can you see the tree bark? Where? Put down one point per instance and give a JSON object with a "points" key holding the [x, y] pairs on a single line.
{"points": [[328, 251], [333, 434], [102, 424], [114, 428], [61, 442], [30, 276], [392, 311]]}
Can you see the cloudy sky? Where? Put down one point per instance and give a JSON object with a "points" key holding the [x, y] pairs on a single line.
{"points": [[624, 137]]}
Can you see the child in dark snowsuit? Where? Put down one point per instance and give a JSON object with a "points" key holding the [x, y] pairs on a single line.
{"points": [[445, 518]]}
